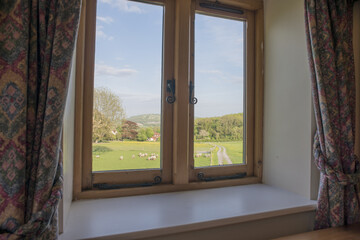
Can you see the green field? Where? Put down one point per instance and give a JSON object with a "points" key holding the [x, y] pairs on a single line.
{"points": [[234, 151], [107, 156]]}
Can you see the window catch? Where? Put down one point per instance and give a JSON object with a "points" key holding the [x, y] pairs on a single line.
{"points": [[201, 177], [170, 88], [105, 186], [192, 100], [221, 7]]}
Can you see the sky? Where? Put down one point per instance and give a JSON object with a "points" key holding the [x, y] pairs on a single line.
{"points": [[128, 58]]}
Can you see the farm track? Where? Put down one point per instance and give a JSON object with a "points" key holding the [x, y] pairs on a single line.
{"points": [[222, 156]]}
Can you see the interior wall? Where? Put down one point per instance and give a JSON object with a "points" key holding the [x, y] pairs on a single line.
{"points": [[288, 118], [68, 144]]}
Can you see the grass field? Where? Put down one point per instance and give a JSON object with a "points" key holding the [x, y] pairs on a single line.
{"points": [[107, 156], [234, 150], [202, 161]]}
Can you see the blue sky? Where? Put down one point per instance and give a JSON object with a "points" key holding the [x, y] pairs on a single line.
{"points": [[128, 58]]}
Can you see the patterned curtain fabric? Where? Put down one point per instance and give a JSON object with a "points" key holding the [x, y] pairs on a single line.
{"points": [[36, 45], [329, 26]]}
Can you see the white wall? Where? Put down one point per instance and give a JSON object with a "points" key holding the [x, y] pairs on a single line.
{"points": [[288, 124], [68, 144]]}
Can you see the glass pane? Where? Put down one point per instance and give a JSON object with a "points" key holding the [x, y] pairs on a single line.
{"points": [[127, 88], [219, 87]]}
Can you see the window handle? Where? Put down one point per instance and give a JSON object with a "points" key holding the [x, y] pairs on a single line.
{"points": [[201, 177], [170, 88], [157, 180], [192, 100]]}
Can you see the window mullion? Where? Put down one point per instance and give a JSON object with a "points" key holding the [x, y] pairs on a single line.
{"points": [[168, 73], [181, 105]]}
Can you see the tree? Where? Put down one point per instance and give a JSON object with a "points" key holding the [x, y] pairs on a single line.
{"points": [[203, 134], [141, 136], [108, 113], [129, 130], [101, 126], [149, 132], [109, 104], [225, 128], [237, 133]]}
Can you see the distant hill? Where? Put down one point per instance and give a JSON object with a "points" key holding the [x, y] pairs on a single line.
{"points": [[146, 120], [153, 120], [232, 115]]}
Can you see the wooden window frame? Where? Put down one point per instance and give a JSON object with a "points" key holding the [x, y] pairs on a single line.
{"points": [[148, 175], [249, 92], [178, 172]]}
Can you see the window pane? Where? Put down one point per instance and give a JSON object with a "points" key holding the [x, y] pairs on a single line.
{"points": [[127, 88], [219, 87]]}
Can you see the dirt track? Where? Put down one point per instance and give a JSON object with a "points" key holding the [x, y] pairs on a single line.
{"points": [[222, 156]]}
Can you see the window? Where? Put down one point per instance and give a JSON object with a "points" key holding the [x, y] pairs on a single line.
{"points": [[169, 95]]}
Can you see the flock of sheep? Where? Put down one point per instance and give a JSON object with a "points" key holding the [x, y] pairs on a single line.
{"points": [[153, 156], [150, 157], [205, 155]]}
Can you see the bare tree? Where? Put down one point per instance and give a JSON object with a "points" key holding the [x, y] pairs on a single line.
{"points": [[101, 126], [108, 113]]}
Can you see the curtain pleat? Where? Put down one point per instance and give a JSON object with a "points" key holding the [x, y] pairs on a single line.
{"points": [[329, 28], [36, 44]]}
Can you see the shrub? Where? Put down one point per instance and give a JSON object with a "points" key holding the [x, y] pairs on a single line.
{"points": [[101, 149]]}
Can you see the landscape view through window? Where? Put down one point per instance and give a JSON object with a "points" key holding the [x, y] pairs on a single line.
{"points": [[127, 88]]}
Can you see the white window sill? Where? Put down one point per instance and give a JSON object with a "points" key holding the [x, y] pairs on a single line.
{"points": [[169, 213]]}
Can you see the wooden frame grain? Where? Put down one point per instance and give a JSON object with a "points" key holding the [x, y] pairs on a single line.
{"points": [[181, 106], [177, 171]]}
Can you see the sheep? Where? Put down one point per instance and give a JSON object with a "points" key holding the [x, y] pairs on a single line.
{"points": [[121, 158], [97, 156], [133, 156]]}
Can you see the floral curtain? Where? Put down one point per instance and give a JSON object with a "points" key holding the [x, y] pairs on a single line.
{"points": [[36, 45], [329, 26]]}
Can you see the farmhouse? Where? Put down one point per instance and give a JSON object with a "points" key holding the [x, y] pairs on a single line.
{"points": [[155, 137]]}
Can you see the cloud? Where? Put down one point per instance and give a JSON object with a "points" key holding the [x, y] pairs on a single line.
{"points": [[102, 69], [101, 34], [227, 36], [210, 71], [123, 5], [141, 97], [106, 20]]}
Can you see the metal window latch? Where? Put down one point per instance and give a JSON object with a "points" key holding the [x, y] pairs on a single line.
{"points": [[221, 7], [157, 180], [201, 177], [170, 88], [192, 100]]}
